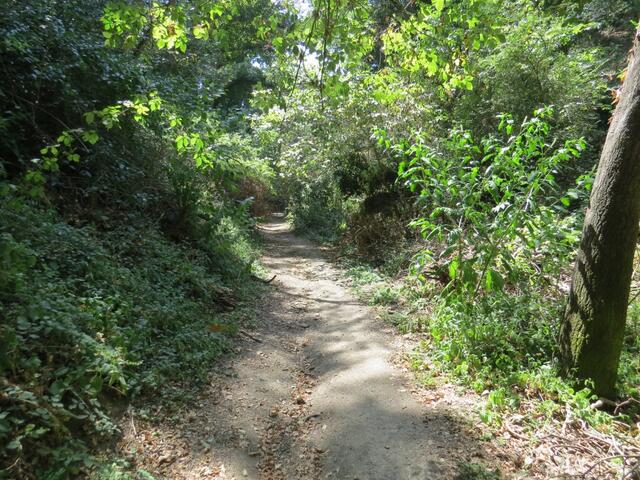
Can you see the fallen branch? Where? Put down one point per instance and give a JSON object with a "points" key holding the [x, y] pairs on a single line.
{"points": [[252, 337], [262, 280], [624, 404], [603, 402], [513, 433]]}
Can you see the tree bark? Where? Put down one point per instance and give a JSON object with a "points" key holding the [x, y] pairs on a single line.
{"points": [[592, 332]]}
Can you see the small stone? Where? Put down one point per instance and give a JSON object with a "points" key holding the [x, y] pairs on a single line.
{"points": [[300, 400]]}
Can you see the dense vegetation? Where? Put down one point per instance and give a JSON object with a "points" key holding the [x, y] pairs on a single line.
{"points": [[124, 231], [448, 147], [456, 141]]}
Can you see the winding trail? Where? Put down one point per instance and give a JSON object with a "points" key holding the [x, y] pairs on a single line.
{"points": [[313, 393], [336, 405], [368, 424]]}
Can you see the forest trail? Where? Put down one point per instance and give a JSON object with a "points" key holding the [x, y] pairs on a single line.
{"points": [[313, 392], [361, 416], [327, 399]]}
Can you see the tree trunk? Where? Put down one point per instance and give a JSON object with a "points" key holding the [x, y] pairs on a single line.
{"points": [[593, 328]]}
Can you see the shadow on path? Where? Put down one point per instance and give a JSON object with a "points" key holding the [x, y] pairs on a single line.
{"points": [[317, 397]]}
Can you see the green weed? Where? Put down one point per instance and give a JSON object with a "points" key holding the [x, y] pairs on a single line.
{"points": [[385, 295], [476, 471]]}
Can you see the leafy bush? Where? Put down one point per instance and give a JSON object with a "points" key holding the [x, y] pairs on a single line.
{"points": [[385, 295], [489, 341], [493, 206], [543, 60], [90, 315]]}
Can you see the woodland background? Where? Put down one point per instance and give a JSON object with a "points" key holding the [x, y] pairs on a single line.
{"points": [[447, 148]]}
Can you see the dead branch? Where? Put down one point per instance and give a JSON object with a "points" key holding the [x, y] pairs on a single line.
{"points": [[263, 280], [252, 337]]}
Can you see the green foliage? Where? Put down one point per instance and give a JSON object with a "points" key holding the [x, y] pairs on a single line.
{"points": [[135, 136], [169, 25], [491, 204], [502, 346], [439, 39], [93, 314], [385, 295], [67, 143], [489, 342], [125, 229], [120, 470], [629, 370], [532, 67]]}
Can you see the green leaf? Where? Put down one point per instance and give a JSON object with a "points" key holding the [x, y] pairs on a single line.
{"points": [[453, 269], [201, 31], [494, 281], [90, 118], [15, 444], [90, 136]]}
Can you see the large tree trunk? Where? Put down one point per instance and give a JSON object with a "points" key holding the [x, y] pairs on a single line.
{"points": [[592, 332]]}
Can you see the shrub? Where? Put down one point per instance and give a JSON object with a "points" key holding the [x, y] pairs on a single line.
{"points": [[90, 315], [492, 207]]}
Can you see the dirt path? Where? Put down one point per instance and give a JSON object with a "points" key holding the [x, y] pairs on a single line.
{"points": [[314, 394]]}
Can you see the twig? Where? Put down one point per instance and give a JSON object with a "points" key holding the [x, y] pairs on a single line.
{"points": [[133, 425], [10, 467], [514, 434], [606, 459], [602, 402], [67, 127], [634, 469], [255, 339], [624, 404], [262, 280]]}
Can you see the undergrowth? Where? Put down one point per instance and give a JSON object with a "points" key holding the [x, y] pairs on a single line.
{"points": [[95, 316], [500, 345]]}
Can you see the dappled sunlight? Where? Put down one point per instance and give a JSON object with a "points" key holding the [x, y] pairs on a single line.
{"points": [[319, 239]]}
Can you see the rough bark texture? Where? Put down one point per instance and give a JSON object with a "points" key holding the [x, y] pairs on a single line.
{"points": [[593, 328]]}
